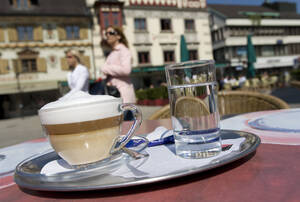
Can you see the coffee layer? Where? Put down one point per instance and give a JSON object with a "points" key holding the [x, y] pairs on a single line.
{"points": [[86, 126], [85, 147]]}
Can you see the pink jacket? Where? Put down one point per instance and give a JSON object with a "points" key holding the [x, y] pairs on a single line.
{"points": [[118, 65]]}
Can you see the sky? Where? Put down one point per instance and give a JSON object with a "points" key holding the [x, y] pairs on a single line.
{"points": [[249, 2]]}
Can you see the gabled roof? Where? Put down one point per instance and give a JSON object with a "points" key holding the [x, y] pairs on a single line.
{"points": [[47, 8], [240, 11]]}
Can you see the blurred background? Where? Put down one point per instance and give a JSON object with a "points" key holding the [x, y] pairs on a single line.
{"points": [[255, 45]]}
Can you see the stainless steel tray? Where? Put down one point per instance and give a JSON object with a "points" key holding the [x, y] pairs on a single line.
{"points": [[27, 173]]}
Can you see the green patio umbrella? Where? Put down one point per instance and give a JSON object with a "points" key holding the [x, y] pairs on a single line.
{"points": [[184, 53], [251, 58]]}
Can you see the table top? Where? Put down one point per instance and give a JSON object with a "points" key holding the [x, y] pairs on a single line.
{"points": [[272, 173]]}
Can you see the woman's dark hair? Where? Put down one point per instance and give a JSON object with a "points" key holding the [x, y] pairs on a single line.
{"points": [[120, 32]]}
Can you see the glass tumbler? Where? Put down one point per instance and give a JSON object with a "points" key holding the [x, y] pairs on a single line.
{"points": [[192, 89]]}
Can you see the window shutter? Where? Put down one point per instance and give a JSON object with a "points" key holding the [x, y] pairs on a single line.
{"points": [[64, 64], [1, 34], [41, 65], [83, 33], [86, 61], [62, 35], [17, 66], [12, 34], [4, 67], [38, 33]]}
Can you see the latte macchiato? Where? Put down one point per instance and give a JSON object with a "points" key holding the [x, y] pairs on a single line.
{"points": [[82, 129]]}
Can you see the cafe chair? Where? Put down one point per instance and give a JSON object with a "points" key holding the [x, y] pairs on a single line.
{"points": [[295, 84], [238, 102], [227, 86], [235, 102], [254, 84], [190, 106], [185, 106], [273, 81], [162, 113]]}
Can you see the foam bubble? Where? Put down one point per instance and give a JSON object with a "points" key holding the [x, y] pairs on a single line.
{"points": [[79, 107]]}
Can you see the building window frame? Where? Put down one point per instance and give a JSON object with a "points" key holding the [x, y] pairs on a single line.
{"points": [[169, 56], [72, 32], [143, 57], [189, 25], [28, 65], [193, 54], [25, 32], [110, 15], [140, 24], [166, 25]]}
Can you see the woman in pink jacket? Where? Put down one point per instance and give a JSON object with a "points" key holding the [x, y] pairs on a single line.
{"points": [[117, 66]]}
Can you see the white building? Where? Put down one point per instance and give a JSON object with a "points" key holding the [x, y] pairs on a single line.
{"points": [[153, 30], [34, 36], [275, 29]]}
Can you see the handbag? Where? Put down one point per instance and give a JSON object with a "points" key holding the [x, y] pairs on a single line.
{"points": [[111, 90]]}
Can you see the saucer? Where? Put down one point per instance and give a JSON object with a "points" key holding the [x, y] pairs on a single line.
{"points": [[284, 121]]}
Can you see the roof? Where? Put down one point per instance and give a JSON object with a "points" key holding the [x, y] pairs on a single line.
{"points": [[47, 8], [241, 11]]}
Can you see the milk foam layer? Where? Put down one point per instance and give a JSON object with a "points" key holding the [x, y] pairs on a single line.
{"points": [[79, 107]]}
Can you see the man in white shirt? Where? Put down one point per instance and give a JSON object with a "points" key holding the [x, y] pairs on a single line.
{"points": [[78, 79]]}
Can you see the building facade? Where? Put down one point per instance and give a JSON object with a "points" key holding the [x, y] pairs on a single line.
{"points": [[34, 36], [275, 30], [153, 30]]}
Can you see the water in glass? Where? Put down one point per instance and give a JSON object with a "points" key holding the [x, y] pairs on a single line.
{"points": [[195, 119]]}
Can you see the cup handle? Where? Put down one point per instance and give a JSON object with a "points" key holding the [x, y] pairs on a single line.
{"points": [[136, 124]]}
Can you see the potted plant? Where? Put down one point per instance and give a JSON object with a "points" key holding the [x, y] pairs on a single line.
{"points": [[151, 95], [162, 96], [141, 95]]}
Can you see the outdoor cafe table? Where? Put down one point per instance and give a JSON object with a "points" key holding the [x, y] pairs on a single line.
{"points": [[272, 173]]}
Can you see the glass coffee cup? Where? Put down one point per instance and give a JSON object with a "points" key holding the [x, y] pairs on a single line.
{"points": [[86, 129]]}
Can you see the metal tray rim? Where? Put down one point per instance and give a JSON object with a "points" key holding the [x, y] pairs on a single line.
{"points": [[140, 181]]}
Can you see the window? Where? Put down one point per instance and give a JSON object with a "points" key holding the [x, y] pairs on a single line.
{"points": [[258, 50], [165, 25], [110, 18], [34, 2], [279, 50], [294, 48], [140, 24], [106, 19], [23, 3], [115, 18], [143, 57], [28, 65], [267, 51], [189, 24], [72, 31], [169, 56], [25, 33], [193, 55], [110, 15]]}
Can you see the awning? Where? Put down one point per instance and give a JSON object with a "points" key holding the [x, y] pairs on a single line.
{"points": [[221, 65], [148, 69], [32, 86]]}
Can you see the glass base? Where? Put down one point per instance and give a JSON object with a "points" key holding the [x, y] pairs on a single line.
{"points": [[198, 146]]}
